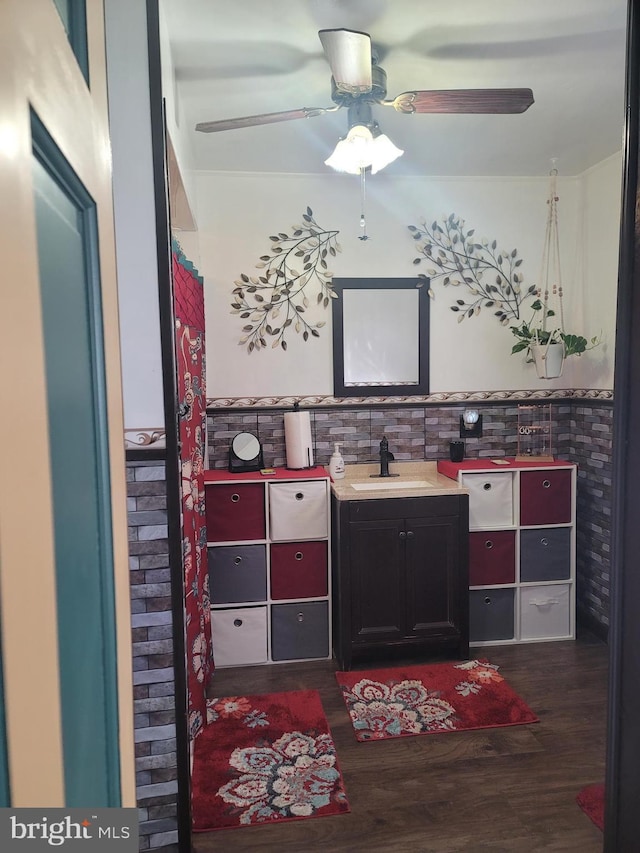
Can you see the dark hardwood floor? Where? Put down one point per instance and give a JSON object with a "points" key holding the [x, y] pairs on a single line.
{"points": [[506, 789]]}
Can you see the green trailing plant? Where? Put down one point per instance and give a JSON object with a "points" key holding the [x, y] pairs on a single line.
{"points": [[529, 333], [274, 302]]}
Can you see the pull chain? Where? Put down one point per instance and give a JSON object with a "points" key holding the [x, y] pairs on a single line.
{"points": [[363, 221]]}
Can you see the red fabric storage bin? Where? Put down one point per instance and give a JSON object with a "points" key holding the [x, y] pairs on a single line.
{"points": [[545, 497], [492, 557], [235, 512], [299, 570]]}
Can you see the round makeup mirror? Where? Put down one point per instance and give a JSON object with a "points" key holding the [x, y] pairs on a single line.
{"points": [[246, 446], [245, 453]]}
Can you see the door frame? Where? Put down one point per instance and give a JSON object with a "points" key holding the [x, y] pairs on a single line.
{"points": [[39, 72], [622, 818]]}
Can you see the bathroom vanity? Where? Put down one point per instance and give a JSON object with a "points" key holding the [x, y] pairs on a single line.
{"points": [[399, 562]]}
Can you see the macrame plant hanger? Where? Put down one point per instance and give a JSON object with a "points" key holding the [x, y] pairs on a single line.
{"points": [[548, 352]]}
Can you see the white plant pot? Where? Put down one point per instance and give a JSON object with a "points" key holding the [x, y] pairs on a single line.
{"points": [[549, 359]]}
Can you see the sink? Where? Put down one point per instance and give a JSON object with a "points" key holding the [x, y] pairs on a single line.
{"points": [[392, 484]]}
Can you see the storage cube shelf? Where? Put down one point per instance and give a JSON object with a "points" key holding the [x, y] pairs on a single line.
{"points": [[522, 544], [268, 556]]}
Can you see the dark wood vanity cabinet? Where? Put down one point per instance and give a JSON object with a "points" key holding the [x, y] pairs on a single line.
{"points": [[400, 575]]}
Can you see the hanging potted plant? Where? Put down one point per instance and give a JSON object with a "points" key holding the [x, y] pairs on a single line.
{"points": [[544, 340], [548, 349], [549, 357]]}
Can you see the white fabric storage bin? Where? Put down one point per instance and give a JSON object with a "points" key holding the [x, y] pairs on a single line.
{"points": [[298, 511], [490, 500], [239, 636], [545, 612]]}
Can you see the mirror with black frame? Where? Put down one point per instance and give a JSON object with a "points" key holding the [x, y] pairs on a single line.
{"points": [[380, 337]]}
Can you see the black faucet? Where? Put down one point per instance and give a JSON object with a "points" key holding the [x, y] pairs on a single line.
{"points": [[385, 457]]}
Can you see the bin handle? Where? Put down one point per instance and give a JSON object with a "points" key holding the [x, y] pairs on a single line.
{"points": [[543, 602]]}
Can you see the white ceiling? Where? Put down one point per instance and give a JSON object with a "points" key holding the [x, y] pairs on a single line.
{"points": [[241, 57]]}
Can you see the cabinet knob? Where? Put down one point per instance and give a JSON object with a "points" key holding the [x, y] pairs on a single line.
{"points": [[300, 617], [237, 561], [299, 496], [235, 498], [544, 541], [402, 534], [237, 622], [546, 484], [488, 544], [299, 555], [409, 534], [487, 487]]}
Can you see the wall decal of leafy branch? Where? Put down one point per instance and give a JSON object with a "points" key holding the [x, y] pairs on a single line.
{"points": [[492, 276], [275, 301], [493, 279]]}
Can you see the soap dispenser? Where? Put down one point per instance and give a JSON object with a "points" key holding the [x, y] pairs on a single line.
{"points": [[336, 463]]}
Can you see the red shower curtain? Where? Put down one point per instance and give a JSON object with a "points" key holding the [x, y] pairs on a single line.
{"points": [[190, 365]]}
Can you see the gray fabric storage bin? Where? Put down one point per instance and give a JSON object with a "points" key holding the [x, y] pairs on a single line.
{"points": [[300, 630], [491, 614], [237, 573], [545, 554]]}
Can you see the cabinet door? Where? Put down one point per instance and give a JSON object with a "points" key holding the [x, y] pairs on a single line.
{"points": [[377, 594], [432, 576]]}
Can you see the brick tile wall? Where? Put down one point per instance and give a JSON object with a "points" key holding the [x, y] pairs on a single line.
{"points": [[590, 446], [153, 674]]}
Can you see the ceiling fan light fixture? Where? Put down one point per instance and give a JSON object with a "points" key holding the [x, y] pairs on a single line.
{"points": [[362, 148]]}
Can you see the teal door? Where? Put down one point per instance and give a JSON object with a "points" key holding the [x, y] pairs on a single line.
{"points": [[78, 442]]}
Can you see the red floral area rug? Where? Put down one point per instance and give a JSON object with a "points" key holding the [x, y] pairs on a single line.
{"points": [[591, 801], [425, 699], [263, 759]]}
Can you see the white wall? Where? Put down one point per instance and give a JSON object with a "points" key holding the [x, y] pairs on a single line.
{"points": [[237, 213], [601, 190], [134, 210]]}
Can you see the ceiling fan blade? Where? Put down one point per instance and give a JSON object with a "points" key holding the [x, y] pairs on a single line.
{"points": [[349, 56], [263, 118], [463, 101]]}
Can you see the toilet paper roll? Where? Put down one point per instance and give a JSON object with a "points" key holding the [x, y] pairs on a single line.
{"points": [[297, 439]]}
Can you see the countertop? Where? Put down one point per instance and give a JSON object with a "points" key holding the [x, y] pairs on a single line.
{"points": [[506, 463], [395, 487]]}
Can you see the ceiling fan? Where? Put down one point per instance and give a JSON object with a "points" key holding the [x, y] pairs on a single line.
{"points": [[358, 82]]}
